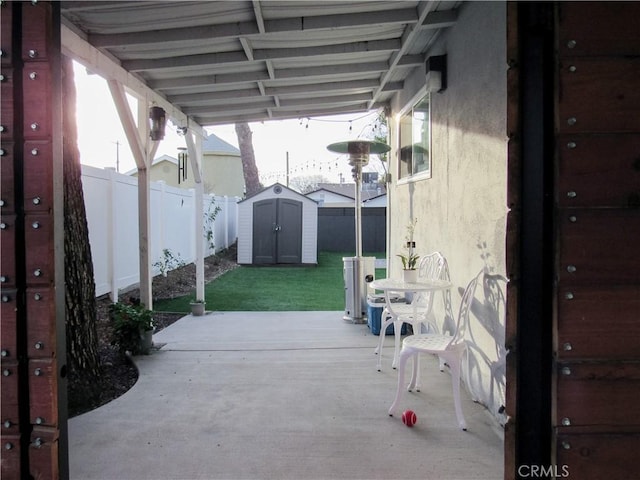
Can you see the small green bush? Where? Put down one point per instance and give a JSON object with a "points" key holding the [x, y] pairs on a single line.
{"points": [[129, 321]]}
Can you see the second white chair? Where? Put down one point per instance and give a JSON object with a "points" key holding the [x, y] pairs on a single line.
{"points": [[451, 348]]}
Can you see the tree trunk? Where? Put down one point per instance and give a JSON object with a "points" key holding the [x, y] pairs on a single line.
{"points": [[251, 178], [80, 297]]}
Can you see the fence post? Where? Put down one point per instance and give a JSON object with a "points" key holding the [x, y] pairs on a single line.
{"points": [[226, 221], [192, 238], [161, 224], [112, 229]]}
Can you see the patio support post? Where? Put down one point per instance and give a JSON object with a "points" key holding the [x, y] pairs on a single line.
{"points": [[195, 155], [142, 154]]}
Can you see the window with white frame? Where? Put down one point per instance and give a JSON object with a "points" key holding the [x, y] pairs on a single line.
{"points": [[415, 141]]}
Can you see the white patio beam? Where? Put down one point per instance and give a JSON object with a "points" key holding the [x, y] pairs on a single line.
{"points": [[76, 47], [142, 152], [128, 123], [252, 116], [258, 27], [328, 71], [225, 58]]}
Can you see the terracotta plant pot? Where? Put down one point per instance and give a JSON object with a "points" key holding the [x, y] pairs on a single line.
{"points": [[146, 341]]}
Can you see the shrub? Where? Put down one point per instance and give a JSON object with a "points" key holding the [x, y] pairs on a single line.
{"points": [[129, 322]]}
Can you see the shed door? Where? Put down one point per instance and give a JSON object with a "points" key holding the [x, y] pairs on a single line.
{"points": [[277, 231]]}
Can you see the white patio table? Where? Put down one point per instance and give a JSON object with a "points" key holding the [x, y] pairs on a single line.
{"points": [[391, 286]]}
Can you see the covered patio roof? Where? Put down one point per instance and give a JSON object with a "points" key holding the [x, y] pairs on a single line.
{"points": [[218, 62]]}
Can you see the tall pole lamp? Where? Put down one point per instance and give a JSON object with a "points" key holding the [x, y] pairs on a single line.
{"points": [[355, 288]]}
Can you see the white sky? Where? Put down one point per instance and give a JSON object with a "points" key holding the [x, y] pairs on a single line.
{"points": [[100, 132]]}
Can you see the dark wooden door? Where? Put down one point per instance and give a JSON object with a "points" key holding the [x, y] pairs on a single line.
{"points": [[289, 231], [277, 231], [596, 407]]}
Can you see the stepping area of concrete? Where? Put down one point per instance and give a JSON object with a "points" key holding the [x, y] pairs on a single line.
{"points": [[279, 395]]}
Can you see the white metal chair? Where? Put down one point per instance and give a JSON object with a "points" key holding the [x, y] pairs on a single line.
{"points": [[417, 312], [450, 348]]}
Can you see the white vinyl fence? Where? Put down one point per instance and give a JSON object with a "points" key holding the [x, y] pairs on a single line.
{"points": [[111, 201]]}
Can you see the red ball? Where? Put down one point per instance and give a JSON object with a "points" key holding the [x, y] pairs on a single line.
{"points": [[409, 418]]}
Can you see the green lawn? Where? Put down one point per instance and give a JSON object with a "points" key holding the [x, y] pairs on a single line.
{"points": [[277, 288]]}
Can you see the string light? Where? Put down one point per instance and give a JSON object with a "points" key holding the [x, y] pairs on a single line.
{"points": [[307, 167]]}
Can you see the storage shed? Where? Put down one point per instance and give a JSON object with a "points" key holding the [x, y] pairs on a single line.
{"points": [[277, 226]]}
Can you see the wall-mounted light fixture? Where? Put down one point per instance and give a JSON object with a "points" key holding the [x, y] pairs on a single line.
{"points": [[158, 120], [436, 67]]}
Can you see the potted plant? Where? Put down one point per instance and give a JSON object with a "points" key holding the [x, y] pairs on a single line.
{"points": [[410, 260], [197, 308], [132, 327]]}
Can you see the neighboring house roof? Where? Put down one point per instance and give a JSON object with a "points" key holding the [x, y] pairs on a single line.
{"points": [[164, 158], [348, 190], [376, 197], [379, 201], [157, 160], [323, 190], [214, 144]]}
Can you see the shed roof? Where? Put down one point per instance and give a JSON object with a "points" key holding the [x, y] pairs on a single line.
{"points": [[270, 187]]}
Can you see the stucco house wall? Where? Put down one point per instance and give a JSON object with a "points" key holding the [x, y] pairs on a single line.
{"points": [[461, 210]]}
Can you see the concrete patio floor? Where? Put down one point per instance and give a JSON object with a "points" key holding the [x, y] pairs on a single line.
{"points": [[279, 395]]}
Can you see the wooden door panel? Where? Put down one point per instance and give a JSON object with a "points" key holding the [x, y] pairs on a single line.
{"points": [[601, 170], [586, 105], [37, 100], [41, 333], [43, 453], [39, 249], [598, 394], [10, 469], [38, 172], [599, 456], [598, 322], [6, 93], [595, 405], [8, 325], [598, 28], [43, 391], [7, 250], [599, 246], [7, 198]]}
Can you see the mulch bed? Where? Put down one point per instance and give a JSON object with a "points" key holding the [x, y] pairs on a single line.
{"points": [[118, 373]]}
